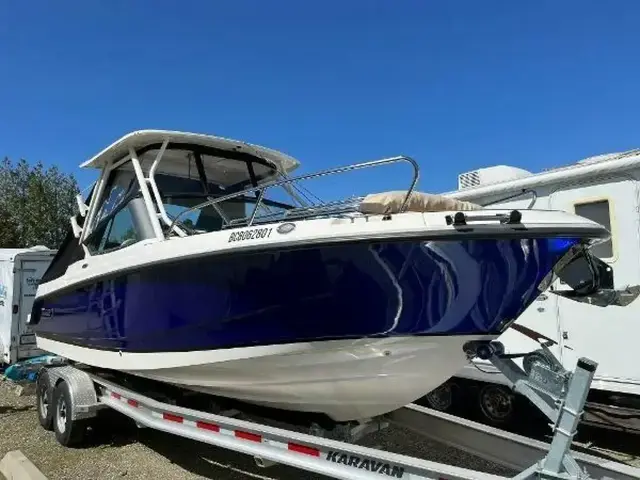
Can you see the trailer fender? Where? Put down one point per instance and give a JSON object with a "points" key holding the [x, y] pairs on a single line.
{"points": [[82, 390]]}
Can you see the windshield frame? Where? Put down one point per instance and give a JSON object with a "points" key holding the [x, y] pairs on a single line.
{"points": [[198, 151]]}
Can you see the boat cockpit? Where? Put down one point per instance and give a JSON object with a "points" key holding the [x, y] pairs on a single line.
{"points": [[175, 185], [177, 179]]}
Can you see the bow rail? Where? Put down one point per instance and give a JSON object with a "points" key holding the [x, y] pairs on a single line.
{"points": [[305, 211]]}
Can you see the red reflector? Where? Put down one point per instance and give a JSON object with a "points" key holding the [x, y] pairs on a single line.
{"points": [[133, 403], [294, 447], [172, 418], [208, 426], [248, 436], [115, 395]]}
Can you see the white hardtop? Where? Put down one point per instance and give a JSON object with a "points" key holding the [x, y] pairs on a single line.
{"points": [[143, 138], [518, 179], [10, 254]]}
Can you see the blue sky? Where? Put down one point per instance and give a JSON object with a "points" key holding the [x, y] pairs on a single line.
{"points": [[456, 84]]}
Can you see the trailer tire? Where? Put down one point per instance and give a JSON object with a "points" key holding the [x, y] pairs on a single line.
{"points": [[43, 400], [69, 432], [497, 404], [444, 398]]}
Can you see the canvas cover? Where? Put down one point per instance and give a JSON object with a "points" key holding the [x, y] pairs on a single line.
{"points": [[391, 202]]}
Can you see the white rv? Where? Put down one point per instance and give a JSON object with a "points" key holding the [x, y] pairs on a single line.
{"points": [[606, 189], [20, 273]]}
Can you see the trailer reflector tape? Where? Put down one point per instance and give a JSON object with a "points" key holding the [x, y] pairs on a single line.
{"points": [[294, 447], [254, 437], [370, 464], [207, 426], [172, 418]]}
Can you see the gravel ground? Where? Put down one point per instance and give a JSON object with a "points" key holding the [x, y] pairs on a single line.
{"points": [[117, 449]]}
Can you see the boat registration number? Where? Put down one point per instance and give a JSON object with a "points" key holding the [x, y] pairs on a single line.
{"points": [[256, 233]]}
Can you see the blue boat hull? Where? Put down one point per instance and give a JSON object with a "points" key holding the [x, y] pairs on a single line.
{"points": [[470, 287]]}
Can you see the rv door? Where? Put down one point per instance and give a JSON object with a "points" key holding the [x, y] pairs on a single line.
{"points": [[28, 273], [606, 334]]}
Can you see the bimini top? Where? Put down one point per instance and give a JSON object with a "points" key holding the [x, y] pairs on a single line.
{"points": [[144, 138]]}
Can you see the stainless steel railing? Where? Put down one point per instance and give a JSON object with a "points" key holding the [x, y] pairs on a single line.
{"points": [[315, 210]]}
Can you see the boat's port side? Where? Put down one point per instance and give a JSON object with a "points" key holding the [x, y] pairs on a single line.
{"points": [[73, 396]]}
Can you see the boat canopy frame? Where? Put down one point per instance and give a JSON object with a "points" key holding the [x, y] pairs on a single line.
{"points": [[256, 185]]}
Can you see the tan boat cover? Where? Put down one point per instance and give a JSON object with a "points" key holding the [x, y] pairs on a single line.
{"points": [[391, 202]]}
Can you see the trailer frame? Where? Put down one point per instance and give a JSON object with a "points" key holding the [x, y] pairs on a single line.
{"points": [[69, 396]]}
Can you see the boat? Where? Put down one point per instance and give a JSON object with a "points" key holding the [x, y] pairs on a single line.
{"points": [[185, 266]]}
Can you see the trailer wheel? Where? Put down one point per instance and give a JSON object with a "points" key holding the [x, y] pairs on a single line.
{"points": [[43, 400], [69, 432], [441, 398], [496, 403]]}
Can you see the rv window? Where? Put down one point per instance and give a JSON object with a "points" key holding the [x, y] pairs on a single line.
{"points": [[598, 212]]}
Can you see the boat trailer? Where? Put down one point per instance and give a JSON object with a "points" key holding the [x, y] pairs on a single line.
{"points": [[68, 397]]}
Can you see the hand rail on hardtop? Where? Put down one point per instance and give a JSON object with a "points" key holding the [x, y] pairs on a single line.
{"points": [[276, 183]]}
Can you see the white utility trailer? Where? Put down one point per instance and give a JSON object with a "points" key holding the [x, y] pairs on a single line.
{"points": [[605, 189], [20, 272], [70, 396]]}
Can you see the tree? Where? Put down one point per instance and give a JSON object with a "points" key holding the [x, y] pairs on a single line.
{"points": [[35, 204]]}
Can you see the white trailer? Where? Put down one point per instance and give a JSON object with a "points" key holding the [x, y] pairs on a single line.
{"points": [[20, 272], [605, 189], [69, 396]]}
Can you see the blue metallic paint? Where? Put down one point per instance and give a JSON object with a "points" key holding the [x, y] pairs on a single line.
{"points": [[470, 287]]}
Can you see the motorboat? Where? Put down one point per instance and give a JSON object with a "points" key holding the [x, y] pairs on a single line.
{"points": [[185, 265]]}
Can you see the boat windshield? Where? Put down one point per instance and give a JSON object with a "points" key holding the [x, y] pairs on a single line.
{"points": [[202, 189], [179, 197], [184, 179]]}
